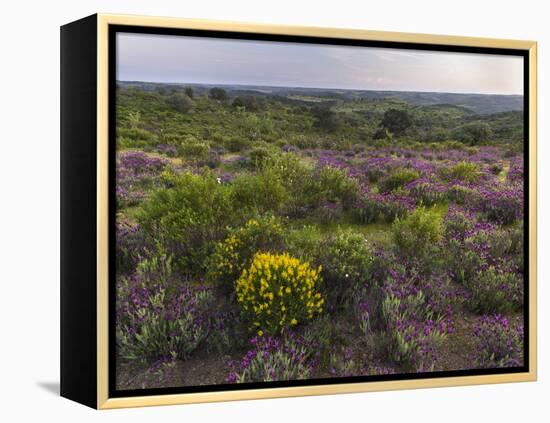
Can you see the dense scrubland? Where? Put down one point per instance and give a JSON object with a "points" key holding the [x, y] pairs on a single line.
{"points": [[286, 236]]}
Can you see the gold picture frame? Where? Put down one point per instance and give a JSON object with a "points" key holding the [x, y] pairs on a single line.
{"points": [[102, 22]]}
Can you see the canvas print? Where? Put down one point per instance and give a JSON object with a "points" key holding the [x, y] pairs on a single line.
{"points": [[297, 211]]}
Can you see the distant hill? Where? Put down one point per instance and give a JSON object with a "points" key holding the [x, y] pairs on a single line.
{"points": [[482, 104]]}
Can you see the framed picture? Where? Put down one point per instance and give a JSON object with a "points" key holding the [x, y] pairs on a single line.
{"points": [[253, 211]]}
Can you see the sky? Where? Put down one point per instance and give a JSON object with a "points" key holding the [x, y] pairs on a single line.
{"points": [[183, 59]]}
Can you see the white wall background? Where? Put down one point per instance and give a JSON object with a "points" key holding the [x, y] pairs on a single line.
{"points": [[29, 209]]}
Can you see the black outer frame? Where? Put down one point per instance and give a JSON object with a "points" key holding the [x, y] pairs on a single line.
{"points": [[79, 211], [79, 114], [114, 29]]}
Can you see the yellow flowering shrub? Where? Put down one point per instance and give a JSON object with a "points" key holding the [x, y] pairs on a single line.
{"points": [[278, 291], [234, 254]]}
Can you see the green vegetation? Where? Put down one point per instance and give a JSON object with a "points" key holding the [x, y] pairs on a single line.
{"points": [[313, 233]]}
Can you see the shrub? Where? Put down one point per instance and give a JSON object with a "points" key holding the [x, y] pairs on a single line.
{"points": [[273, 359], [496, 168], [153, 323], [180, 102], [335, 185], [502, 206], [397, 179], [193, 151], [278, 291], [473, 133], [363, 315], [498, 343], [414, 344], [385, 208], [189, 218], [259, 193], [462, 171], [396, 121], [496, 291], [341, 363], [265, 234], [134, 137], [299, 181], [416, 235], [131, 246], [465, 260], [235, 144], [456, 225], [137, 173], [217, 93], [462, 195], [259, 156], [413, 333], [427, 193], [346, 260]]}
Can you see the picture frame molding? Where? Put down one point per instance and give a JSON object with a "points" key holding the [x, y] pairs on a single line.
{"points": [[103, 399]]}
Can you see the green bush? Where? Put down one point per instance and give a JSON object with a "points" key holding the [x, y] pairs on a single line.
{"points": [[462, 171], [235, 252], [194, 152], [180, 102], [299, 181], [397, 179], [259, 156], [278, 291], [189, 218], [262, 193], [464, 260], [134, 137], [335, 185], [462, 195], [155, 324], [496, 291], [473, 133], [346, 259], [416, 235]]}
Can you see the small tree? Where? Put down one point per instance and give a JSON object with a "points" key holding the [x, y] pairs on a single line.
{"points": [[473, 133], [250, 103], [396, 121], [326, 118], [218, 94], [180, 102], [189, 92]]}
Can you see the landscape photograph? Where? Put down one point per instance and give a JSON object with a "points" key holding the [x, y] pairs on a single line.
{"points": [[293, 211]]}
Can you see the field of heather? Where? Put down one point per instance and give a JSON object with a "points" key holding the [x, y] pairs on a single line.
{"points": [[264, 239]]}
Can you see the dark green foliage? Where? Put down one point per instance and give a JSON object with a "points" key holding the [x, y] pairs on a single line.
{"points": [[396, 121], [473, 133], [261, 193], [218, 94], [326, 118], [180, 102], [496, 291], [249, 103], [193, 151], [463, 171], [345, 259], [189, 92], [397, 179], [336, 186], [417, 236], [189, 218]]}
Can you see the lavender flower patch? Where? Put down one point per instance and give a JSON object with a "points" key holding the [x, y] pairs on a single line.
{"points": [[499, 342]]}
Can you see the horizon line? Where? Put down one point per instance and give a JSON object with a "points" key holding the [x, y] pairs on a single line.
{"points": [[318, 88]]}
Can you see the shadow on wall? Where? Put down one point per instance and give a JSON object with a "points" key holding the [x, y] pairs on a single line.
{"points": [[50, 387]]}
